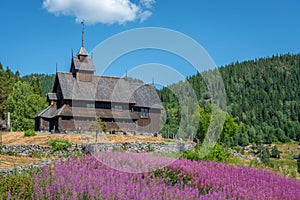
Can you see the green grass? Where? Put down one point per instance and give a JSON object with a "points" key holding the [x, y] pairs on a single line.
{"points": [[59, 144], [285, 165], [29, 133]]}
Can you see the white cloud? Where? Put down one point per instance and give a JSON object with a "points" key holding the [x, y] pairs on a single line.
{"points": [[147, 3], [101, 11], [145, 15]]}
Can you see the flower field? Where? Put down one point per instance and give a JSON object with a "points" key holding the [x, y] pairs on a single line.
{"points": [[87, 178]]}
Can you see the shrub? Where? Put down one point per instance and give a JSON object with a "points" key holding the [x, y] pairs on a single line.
{"points": [[150, 148], [12, 153], [38, 154], [29, 133], [20, 185], [275, 153], [59, 144], [218, 153]]}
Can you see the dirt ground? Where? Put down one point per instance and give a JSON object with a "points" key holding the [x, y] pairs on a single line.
{"points": [[11, 138], [12, 161]]}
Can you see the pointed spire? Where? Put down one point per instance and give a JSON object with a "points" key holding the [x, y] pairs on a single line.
{"points": [[82, 52], [82, 36]]}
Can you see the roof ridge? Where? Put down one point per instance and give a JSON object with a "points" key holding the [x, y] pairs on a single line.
{"points": [[60, 109], [104, 76], [64, 73]]}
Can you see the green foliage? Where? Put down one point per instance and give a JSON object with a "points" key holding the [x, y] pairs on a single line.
{"points": [[265, 156], [12, 153], [20, 185], [38, 154], [172, 177], [218, 154], [170, 127], [262, 96], [7, 81], [98, 125], [275, 153], [44, 80], [59, 144], [29, 133], [204, 121], [150, 148], [36, 87], [23, 104], [229, 130], [66, 154], [298, 164], [256, 164]]}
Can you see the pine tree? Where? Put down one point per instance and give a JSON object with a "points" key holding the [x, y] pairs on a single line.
{"points": [[275, 153], [265, 156], [37, 89]]}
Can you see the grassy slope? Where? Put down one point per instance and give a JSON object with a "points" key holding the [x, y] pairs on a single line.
{"points": [[286, 165]]}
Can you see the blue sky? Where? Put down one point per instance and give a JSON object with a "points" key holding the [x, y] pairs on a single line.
{"points": [[36, 36]]}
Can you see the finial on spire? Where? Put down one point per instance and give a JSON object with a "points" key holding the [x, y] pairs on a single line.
{"points": [[82, 52], [82, 37]]}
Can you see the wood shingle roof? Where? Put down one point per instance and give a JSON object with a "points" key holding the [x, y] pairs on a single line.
{"points": [[86, 64], [109, 89]]}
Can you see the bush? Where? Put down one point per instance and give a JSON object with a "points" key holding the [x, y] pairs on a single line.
{"points": [[12, 153], [29, 133], [59, 144], [275, 153], [218, 154], [20, 185]]}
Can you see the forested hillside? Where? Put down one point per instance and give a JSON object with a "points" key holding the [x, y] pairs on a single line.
{"points": [[263, 96], [46, 81], [7, 81], [22, 97]]}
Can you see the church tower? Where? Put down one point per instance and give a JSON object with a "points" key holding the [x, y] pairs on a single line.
{"points": [[82, 66]]}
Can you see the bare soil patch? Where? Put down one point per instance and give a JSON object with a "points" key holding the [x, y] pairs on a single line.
{"points": [[12, 138], [12, 161]]}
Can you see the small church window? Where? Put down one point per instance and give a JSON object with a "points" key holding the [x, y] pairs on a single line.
{"points": [[90, 105], [144, 112], [118, 107]]}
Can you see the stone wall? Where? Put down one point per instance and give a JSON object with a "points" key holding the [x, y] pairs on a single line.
{"points": [[163, 147], [32, 150], [24, 150]]}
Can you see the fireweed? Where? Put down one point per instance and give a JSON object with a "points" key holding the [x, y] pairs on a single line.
{"points": [[87, 178]]}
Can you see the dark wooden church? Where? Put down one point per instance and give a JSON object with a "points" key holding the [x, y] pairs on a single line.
{"points": [[79, 96]]}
